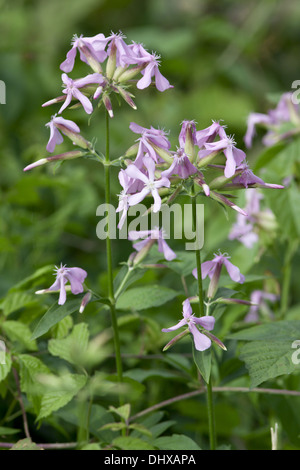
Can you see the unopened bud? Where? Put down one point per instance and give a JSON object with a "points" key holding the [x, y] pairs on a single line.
{"points": [[85, 301], [126, 96], [61, 156], [111, 61], [176, 339], [129, 74], [108, 105], [74, 136]]}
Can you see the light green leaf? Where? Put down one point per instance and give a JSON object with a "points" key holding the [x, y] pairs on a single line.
{"points": [[131, 443], [139, 298], [8, 431], [122, 411], [176, 442], [5, 368], [15, 301], [54, 315], [56, 399], [17, 331], [73, 345]]}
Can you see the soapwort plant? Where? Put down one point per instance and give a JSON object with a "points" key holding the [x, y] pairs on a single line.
{"points": [[206, 164]]}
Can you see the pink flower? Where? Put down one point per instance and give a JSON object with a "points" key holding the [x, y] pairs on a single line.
{"points": [[55, 136], [95, 45], [151, 61], [72, 90], [150, 141], [155, 234], [201, 341], [181, 166], [151, 185], [208, 268], [75, 276]]}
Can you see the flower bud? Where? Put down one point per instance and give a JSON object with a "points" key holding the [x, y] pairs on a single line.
{"points": [[85, 301], [76, 138], [61, 156]]}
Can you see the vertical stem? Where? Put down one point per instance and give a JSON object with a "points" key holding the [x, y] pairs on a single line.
{"points": [[286, 281], [210, 404], [109, 261], [211, 417]]}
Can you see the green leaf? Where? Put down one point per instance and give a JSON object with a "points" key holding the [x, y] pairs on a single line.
{"points": [[5, 368], [269, 351], [131, 443], [69, 386], [73, 345], [15, 301], [139, 298], [202, 360], [8, 431], [17, 331], [176, 442], [268, 155], [122, 411], [54, 315]]}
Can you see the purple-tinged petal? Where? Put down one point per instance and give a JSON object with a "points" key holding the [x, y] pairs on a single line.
{"points": [[138, 197], [68, 64], [145, 81], [234, 272], [135, 173], [201, 341], [175, 327], [164, 248], [157, 200], [87, 105], [207, 322], [161, 82], [76, 276], [187, 311]]}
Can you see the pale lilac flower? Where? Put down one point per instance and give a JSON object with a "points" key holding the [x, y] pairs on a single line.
{"points": [[75, 276], [130, 186], [285, 111], [187, 132], [55, 135], [181, 166], [96, 46], [72, 90], [151, 185], [246, 229], [209, 268], [246, 178], [155, 234], [260, 300], [151, 62], [201, 341], [210, 133], [150, 141], [234, 156], [118, 46]]}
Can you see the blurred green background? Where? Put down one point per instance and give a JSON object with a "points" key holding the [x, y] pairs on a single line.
{"points": [[225, 59]]}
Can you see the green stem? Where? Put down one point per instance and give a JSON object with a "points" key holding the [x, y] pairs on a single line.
{"points": [[210, 405], [109, 262], [286, 281], [211, 417]]}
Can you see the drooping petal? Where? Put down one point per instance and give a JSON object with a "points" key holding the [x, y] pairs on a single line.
{"points": [[157, 200], [62, 293], [234, 272], [164, 248], [201, 341], [161, 82], [87, 105], [76, 276], [68, 64], [145, 81]]}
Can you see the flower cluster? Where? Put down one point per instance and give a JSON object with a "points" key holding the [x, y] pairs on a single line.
{"points": [[156, 169]]}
